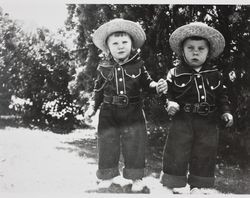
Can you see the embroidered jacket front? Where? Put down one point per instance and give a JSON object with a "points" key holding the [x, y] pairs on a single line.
{"points": [[126, 79], [186, 86]]}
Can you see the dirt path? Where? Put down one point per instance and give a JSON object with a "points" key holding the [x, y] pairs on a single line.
{"points": [[35, 161]]}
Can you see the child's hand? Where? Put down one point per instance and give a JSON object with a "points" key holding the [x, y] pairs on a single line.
{"points": [[172, 107], [162, 86], [228, 118], [88, 115]]}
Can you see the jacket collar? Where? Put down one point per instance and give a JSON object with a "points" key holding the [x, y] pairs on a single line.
{"points": [[110, 62], [185, 69], [134, 57]]}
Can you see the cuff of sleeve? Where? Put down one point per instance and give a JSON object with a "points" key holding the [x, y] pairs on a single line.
{"points": [[153, 84]]}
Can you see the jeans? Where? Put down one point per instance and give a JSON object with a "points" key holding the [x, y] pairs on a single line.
{"points": [[121, 130], [190, 151]]}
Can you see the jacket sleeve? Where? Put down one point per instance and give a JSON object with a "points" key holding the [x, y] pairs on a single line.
{"points": [[98, 91], [222, 101], [170, 82], [146, 81]]}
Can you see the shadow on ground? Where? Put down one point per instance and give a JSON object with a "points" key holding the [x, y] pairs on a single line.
{"points": [[229, 178], [87, 148], [116, 188]]}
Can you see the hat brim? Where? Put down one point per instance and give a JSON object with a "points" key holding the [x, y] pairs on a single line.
{"points": [[119, 25], [214, 37]]}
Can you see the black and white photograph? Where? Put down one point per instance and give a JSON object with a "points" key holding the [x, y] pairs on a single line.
{"points": [[124, 99]]}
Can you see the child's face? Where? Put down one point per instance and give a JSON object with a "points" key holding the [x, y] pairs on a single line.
{"points": [[195, 52], [120, 46]]}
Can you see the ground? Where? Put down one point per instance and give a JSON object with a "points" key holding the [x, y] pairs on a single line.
{"points": [[36, 161]]}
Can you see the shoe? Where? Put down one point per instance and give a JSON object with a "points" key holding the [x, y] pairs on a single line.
{"points": [[119, 180], [137, 185], [182, 190], [105, 183], [203, 191], [167, 190]]}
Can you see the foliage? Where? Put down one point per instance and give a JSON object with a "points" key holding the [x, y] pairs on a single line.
{"points": [[159, 21], [35, 69], [47, 78]]}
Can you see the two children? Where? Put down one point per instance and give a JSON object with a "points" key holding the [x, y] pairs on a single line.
{"points": [[121, 126], [196, 97]]}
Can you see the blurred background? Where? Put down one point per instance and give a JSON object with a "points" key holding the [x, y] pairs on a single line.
{"points": [[48, 64]]}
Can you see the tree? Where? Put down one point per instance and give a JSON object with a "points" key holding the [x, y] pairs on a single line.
{"points": [[159, 21], [35, 69]]}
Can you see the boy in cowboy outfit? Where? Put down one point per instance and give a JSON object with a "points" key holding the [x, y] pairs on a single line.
{"points": [[196, 97], [118, 91]]}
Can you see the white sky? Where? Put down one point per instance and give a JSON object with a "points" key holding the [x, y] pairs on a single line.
{"points": [[48, 13], [53, 13]]}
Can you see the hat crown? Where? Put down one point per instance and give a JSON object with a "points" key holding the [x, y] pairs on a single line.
{"points": [[214, 37], [198, 23], [119, 25]]}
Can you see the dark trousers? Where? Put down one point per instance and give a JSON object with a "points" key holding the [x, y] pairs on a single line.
{"points": [[121, 130], [190, 151]]}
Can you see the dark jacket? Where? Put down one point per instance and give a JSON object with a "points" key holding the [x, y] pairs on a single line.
{"points": [[186, 86], [126, 79]]}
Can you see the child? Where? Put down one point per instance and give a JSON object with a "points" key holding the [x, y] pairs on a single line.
{"points": [[196, 96], [118, 87]]}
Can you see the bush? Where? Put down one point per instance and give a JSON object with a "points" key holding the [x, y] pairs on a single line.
{"points": [[36, 69]]}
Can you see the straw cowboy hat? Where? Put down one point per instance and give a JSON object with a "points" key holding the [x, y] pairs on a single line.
{"points": [[214, 37], [119, 25]]}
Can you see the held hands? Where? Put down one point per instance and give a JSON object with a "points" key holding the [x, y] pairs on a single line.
{"points": [[228, 118], [162, 86], [172, 107]]}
